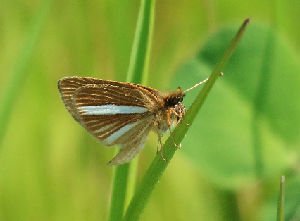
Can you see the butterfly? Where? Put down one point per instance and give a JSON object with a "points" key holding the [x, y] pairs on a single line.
{"points": [[123, 114]]}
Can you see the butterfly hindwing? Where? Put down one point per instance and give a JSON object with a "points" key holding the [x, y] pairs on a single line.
{"points": [[134, 142]]}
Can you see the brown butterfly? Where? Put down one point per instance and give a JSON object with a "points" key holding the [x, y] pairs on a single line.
{"points": [[122, 114]]}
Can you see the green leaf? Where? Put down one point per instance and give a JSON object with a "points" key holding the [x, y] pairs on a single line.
{"points": [[254, 108]]}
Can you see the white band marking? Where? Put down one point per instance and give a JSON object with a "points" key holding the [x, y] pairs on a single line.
{"points": [[111, 109], [112, 138]]}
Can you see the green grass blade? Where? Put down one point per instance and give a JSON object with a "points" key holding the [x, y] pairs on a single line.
{"points": [[119, 192], [280, 203], [13, 86], [139, 60], [158, 165], [137, 73]]}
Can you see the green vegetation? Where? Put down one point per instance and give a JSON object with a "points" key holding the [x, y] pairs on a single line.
{"points": [[244, 138]]}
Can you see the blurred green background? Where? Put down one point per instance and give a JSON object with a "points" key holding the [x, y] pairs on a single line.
{"points": [[246, 136]]}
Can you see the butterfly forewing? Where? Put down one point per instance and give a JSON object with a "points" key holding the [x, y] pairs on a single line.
{"points": [[115, 113]]}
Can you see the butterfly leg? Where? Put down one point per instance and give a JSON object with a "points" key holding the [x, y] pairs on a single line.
{"points": [[184, 120], [169, 126], [158, 143], [161, 147], [180, 117], [175, 144]]}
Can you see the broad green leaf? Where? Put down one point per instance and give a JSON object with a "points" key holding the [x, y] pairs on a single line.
{"points": [[254, 107]]}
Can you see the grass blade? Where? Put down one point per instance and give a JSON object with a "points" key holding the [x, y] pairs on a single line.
{"points": [[280, 203], [158, 165], [137, 73]]}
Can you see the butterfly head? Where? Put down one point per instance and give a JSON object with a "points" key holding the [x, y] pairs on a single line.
{"points": [[174, 102], [174, 98]]}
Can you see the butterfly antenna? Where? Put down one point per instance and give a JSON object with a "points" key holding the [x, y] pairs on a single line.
{"points": [[221, 74]]}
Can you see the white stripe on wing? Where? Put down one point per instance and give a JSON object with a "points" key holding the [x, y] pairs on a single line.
{"points": [[132, 148], [111, 109], [112, 138]]}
